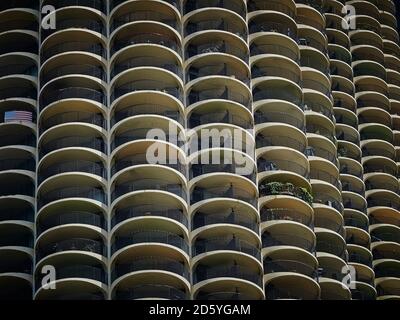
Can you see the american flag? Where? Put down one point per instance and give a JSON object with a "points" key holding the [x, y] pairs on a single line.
{"points": [[18, 116]]}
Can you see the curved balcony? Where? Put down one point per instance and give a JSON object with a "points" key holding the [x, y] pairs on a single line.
{"points": [[76, 93], [287, 7], [81, 245], [224, 243], [92, 193], [76, 18], [205, 275], [236, 6], [89, 47], [148, 236], [279, 112], [75, 271], [154, 291], [125, 267], [214, 19], [221, 43], [139, 33], [94, 4], [148, 184], [149, 210], [229, 191], [272, 22], [230, 216]]}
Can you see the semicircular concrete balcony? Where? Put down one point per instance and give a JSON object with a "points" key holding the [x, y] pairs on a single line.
{"points": [[77, 15], [64, 42], [77, 275], [226, 260], [138, 243], [79, 254], [332, 271]]}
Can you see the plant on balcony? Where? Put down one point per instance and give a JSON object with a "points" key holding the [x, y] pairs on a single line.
{"points": [[279, 188]]}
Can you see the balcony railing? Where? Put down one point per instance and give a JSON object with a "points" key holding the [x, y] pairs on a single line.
{"points": [[73, 142], [91, 25], [232, 192], [219, 117], [146, 38], [224, 93], [277, 27], [18, 164], [95, 48], [148, 184], [355, 171], [379, 168], [148, 211], [197, 170], [147, 61], [21, 267], [73, 116], [280, 141], [145, 15], [277, 94], [13, 69], [96, 194], [277, 116], [285, 165], [73, 244], [17, 214], [233, 5], [71, 93], [72, 217], [213, 24], [91, 167], [201, 219], [384, 202], [358, 258], [353, 222], [287, 239], [217, 69], [271, 71], [328, 201], [76, 271], [95, 4], [266, 48], [150, 263], [18, 92], [151, 291], [224, 295], [285, 214], [11, 4], [216, 47], [327, 177], [230, 243], [12, 189], [377, 236], [271, 5], [149, 236], [290, 266], [235, 271], [351, 187], [146, 109], [23, 240], [147, 85], [72, 69], [338, 250]]}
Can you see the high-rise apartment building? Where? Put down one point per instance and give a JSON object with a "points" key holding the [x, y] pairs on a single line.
{"points": [[312, 88]]}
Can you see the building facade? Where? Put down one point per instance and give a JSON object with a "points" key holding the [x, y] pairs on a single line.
{"points": [[311, 89]]}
